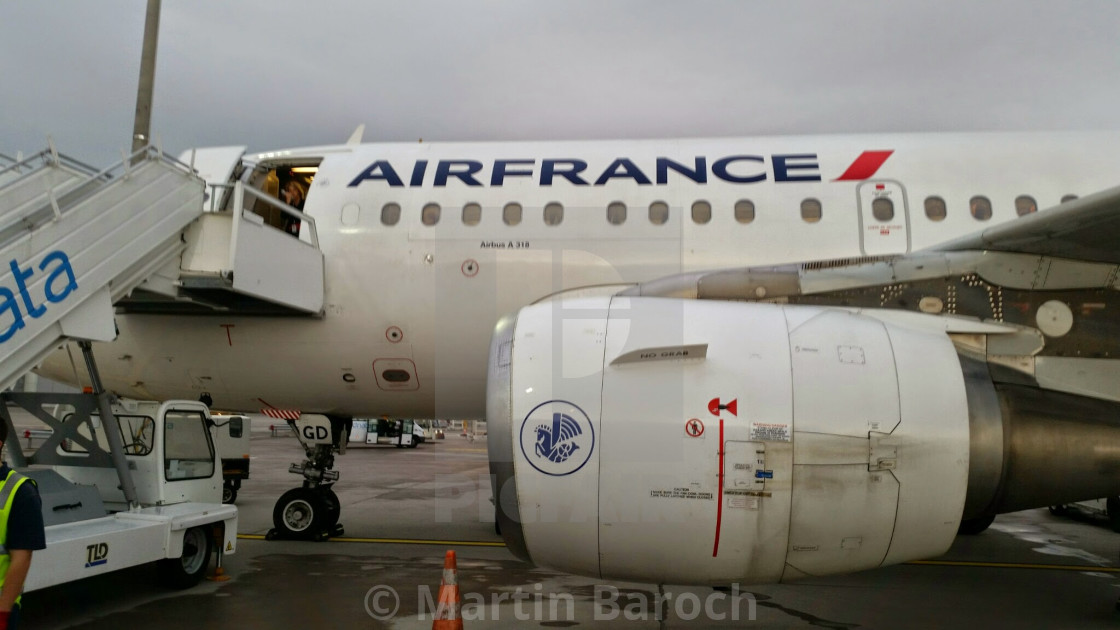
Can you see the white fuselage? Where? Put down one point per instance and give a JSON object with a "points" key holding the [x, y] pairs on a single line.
{"points": [[424, 298]]}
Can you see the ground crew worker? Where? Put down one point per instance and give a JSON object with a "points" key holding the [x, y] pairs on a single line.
{"points": [[21, 532]]}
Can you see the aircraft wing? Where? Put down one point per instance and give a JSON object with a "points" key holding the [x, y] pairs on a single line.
{"points": [[1048, 280], [1085, 229]]}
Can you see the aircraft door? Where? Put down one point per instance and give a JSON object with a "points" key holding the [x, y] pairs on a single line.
{"points": [[884, 218]]}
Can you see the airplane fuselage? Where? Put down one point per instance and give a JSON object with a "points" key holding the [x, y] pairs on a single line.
{"points": [[484, 229]]}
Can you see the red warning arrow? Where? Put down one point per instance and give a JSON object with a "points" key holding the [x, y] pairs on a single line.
{"points": [[714, 407]]}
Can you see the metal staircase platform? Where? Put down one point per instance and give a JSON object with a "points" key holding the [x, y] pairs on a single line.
{"points": [[72, 242], [237, 264]]}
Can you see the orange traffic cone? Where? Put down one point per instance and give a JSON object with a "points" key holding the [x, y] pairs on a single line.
{"points": [[447, 607]]}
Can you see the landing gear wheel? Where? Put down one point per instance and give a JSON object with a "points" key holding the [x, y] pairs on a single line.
{"points": [[229, 494], [334, 509], [299, 513], [1113, 506], [1058, 510], [332, 506], [973, 526], [186, 570]]}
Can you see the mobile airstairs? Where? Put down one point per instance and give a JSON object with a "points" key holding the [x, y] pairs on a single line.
{"points": [[76, 243]]}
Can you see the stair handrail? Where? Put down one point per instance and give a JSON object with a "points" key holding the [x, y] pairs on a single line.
{"points": [[46, 157], [239, 192], [58, 203], [128, 162], [51, 157]]}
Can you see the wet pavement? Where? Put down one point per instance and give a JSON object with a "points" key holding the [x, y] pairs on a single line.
{"points": [[438, 491]]}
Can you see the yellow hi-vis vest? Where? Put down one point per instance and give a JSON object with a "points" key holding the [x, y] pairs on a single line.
{"points": [[7, 495]]}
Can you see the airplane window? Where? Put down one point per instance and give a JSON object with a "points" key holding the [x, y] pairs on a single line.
{"points": [[1066, 198], [553, 213], [658, 213], [430, 214], [350, 214], [701, 212], [980, 207], [811, 210], [511, 214], [1024, 204], [390, 214], [935, 209], [616, 213], [882, 208], [472, 214], [744, 211]]}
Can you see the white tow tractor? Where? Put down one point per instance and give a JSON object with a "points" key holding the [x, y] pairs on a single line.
{"points": [[124, 484]]}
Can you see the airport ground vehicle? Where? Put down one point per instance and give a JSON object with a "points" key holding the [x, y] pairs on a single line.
{"points": [[231, 437], [433, 429], [400, 432], [1108, 507], [161, 505]]}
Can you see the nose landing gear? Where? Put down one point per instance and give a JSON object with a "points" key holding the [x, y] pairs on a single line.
{"points": [[311, 512]]}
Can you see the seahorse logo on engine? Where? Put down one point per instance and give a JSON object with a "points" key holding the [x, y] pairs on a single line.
{"points": [[557, 438], [557, 441]]}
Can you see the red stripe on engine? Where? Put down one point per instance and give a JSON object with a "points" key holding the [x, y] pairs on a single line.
{"points": [[866, 165], [719, 505]]}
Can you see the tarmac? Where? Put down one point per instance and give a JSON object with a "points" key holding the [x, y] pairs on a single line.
{"points": [[404, 508]]}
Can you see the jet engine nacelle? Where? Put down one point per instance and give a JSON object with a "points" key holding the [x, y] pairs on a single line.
{"points": [[684, 441]]}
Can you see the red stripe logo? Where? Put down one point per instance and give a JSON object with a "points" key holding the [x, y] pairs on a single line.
{"points": [[865, 166]]}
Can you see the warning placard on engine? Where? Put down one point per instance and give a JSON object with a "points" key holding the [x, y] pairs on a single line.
{"points": [[743, 503], [680, 493], [769, 432]]}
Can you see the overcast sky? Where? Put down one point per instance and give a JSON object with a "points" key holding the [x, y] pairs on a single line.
{"points": [[280, 73]]}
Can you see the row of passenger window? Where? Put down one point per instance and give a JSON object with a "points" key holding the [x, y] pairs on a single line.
{"points": [[882, 208], [616, 212]]}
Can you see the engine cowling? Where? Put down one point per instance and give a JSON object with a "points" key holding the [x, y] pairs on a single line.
{"points": [[705, 442]]}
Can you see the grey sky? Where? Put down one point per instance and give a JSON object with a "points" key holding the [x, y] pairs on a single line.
{"points": [[283, 73]]}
